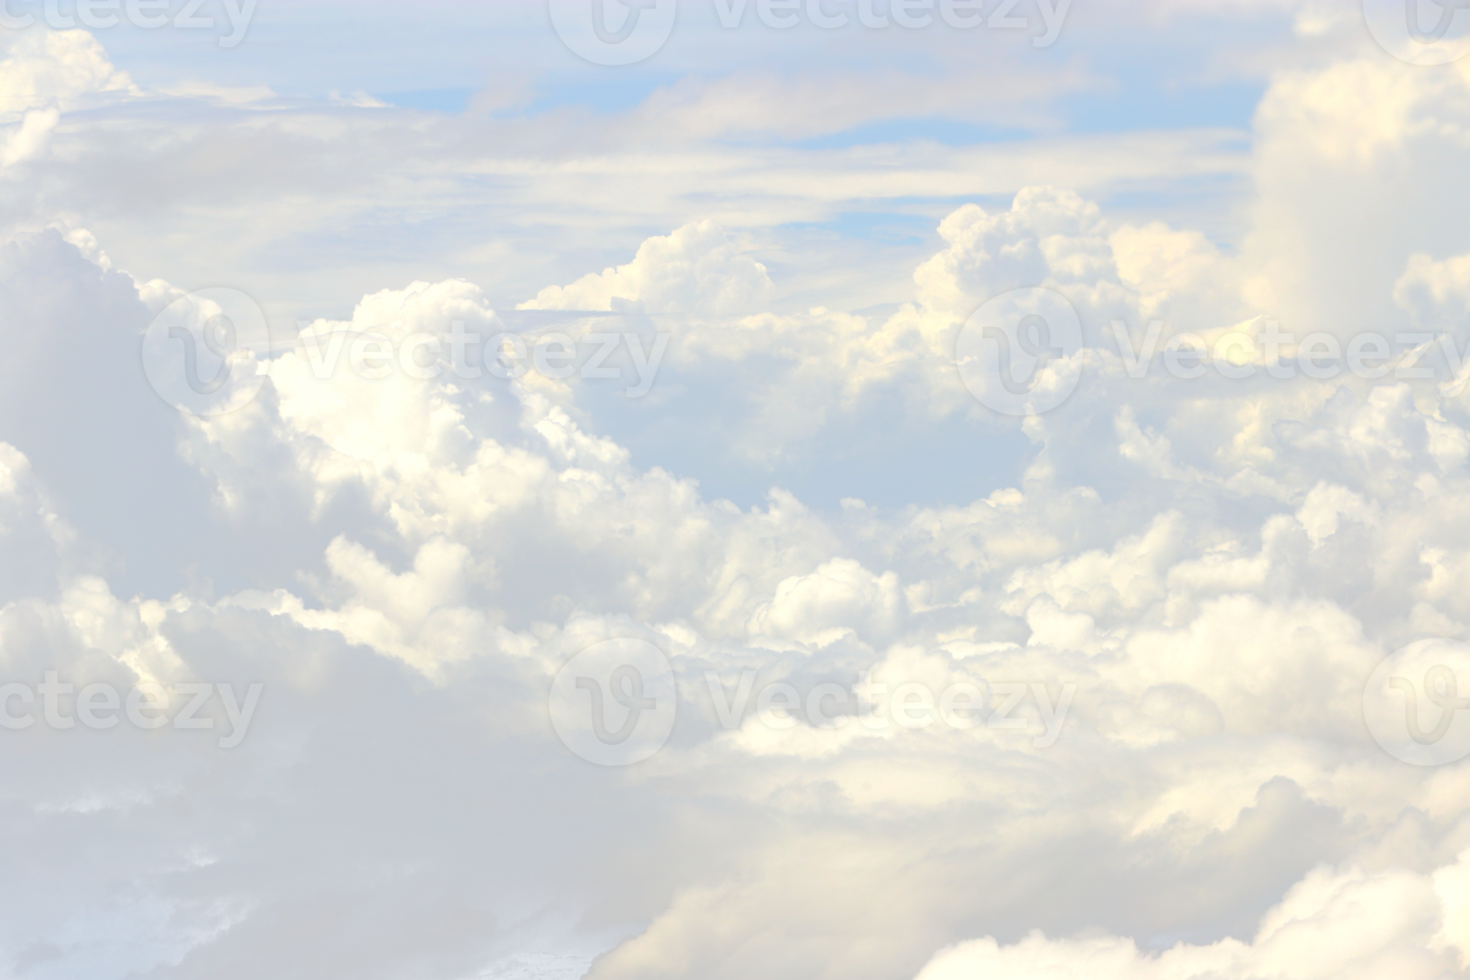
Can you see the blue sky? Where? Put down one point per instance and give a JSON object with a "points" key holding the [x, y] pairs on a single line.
{"points": [[496, 73]]}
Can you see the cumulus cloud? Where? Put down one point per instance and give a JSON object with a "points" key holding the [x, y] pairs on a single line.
{"points": [[60, 68], [1374, 131], [485, 531], [696, 269], [1436, 290], [99, 441], [1334, 923], [30, 137], [1177, 592]]}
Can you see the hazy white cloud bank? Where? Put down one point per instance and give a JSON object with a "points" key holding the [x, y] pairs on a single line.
{"points": [[1180, 588], [539, 180]]}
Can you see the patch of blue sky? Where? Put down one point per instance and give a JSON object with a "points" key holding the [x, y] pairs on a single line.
{"points": [[109, 945], [931, 209], [1154, 194], [603, 97], [947, 132], [607, 92], [1148, 103], [1135, 104], [450, 100], [891, 227]]}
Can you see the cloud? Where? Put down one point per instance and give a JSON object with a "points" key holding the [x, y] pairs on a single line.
{"points": [[1204, 571], [794, 107], [456, 541], [696, 269], [60, 68], [1343, 924], [1435, 291], [1375, 131], [30, 138], [33, 957], [99, 441]]}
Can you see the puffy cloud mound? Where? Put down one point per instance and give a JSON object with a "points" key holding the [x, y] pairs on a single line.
{"points": [[695, 269], [1347, 924], [1186, 661], [1437, 293], [1047, 236], [1384, 135], [1168, 607], [101, 444], [60, 68]]}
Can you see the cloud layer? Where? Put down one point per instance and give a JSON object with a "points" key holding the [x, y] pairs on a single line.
{"points": [[1186, 581]]}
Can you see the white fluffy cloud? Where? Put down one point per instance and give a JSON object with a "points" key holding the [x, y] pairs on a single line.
{"points": [[1184, 583], [1348, 924], [1209, 636], [60, 68], [1387, 136], [696, 269]]}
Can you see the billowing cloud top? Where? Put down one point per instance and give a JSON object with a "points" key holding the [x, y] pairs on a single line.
{"points": [[748, 445]]}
